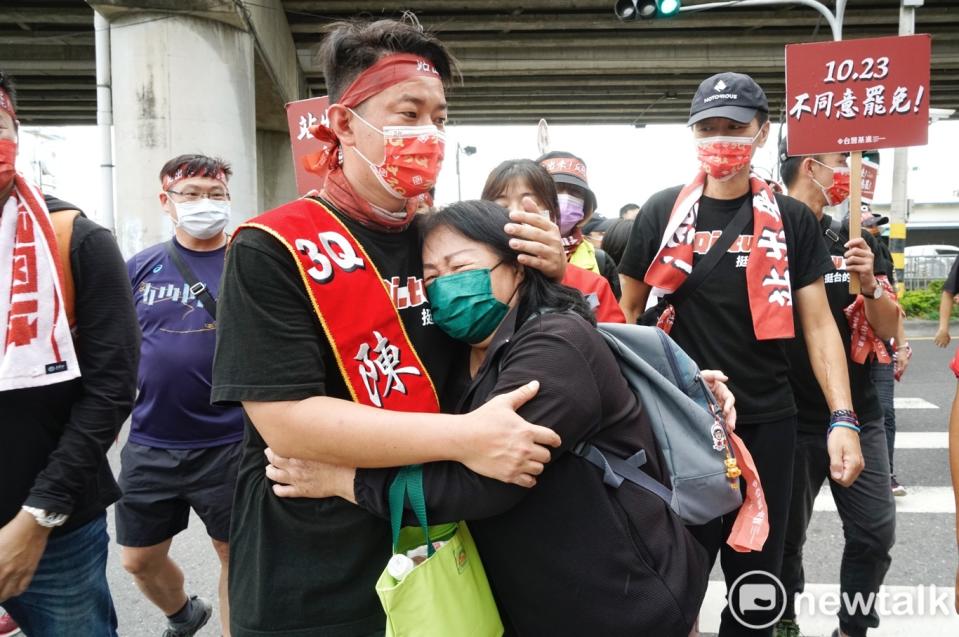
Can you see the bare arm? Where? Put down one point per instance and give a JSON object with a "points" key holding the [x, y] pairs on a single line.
{"points": [[635, 295], [492, 440], [828, 360], [954, 469], [945, 312]]}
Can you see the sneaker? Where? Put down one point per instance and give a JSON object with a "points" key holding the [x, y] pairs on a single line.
{"points": [[8, 627], [897, 489], [786, 628], [200, 613]]}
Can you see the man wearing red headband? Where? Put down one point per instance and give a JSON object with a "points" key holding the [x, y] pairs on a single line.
{"points": [[866, 508], [764, 263], [69, 345], [182, 452], [325, 325]]}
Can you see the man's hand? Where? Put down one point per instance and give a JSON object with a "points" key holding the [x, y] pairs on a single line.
{"points": [[859, 259], [903, 355], [942, 337], [845, 456], [716, 381], [22, 542], [309, 478], [537, 239], [502, 445]]}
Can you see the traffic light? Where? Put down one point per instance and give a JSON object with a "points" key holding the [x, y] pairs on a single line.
{"points": [[646, 9]]}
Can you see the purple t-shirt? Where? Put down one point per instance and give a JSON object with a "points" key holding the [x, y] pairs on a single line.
{"points": [[173, 409]]}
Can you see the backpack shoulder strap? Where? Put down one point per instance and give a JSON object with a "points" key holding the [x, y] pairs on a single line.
{"points": [[714, 254], [63, 229], [197, 287]]}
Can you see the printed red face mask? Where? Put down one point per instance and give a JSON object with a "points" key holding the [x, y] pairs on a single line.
{"points": [[723, 157], [838, 192], [8, 161], [413, 156]]}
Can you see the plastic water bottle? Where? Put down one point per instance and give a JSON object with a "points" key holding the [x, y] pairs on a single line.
{"points": [[399, 566]]}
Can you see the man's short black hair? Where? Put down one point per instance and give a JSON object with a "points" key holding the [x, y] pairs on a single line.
{"points": [[627, 208], [789, 169], [194, 164], [354, 46]]}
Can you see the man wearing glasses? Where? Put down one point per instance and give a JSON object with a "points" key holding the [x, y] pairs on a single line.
{"points": [[182, 452]]}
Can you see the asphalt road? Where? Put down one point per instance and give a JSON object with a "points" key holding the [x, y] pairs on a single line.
{"points": [[924, 555]]}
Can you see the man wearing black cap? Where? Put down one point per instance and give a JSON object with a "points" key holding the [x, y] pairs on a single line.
{"points": [[577, 203], [769, 257], [866, 507]]}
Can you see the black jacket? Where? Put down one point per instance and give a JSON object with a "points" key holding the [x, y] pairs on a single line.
{"points": [[54, 439], [570, 556]]}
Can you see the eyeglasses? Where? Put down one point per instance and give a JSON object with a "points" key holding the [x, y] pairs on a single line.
{"points": [[196, 196]]}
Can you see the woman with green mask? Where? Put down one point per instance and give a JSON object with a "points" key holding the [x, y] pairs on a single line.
{"points": [[571, 556]]}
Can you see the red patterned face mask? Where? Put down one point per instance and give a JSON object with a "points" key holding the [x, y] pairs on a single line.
{"points": [[723, 157], [413, 156], [838, 192], [8, 160]]}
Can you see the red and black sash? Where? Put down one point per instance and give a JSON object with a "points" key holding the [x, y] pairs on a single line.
{"points": [[372, 348]]}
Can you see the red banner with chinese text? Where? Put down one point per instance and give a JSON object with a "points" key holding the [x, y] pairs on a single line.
{"points": [[856, 95], [300, 116]]}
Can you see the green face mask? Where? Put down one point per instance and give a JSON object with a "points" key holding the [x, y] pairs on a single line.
{"points": [[464, 306]]}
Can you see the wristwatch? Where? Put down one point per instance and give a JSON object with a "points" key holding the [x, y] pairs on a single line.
{"points": [[46, 519], [877, 293]]}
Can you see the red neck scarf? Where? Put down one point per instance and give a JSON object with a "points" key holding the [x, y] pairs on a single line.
{"points": [[572, 241], [388, 71], [767, 273], [864, 344]]}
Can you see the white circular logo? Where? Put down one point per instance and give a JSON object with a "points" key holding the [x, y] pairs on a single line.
{"points": [[757, 599]]}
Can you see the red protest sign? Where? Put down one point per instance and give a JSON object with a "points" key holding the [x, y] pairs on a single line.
{"points": [[870, 173], [857, 94], [300, 116]]}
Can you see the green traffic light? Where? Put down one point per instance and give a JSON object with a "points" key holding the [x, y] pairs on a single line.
{"points": [[667, 8]]}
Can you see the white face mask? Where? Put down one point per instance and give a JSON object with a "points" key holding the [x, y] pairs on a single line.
{"points": [[203, 219]]}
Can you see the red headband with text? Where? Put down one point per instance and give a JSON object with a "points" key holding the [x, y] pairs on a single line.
{"points": [[182, 172], [565, 166]]}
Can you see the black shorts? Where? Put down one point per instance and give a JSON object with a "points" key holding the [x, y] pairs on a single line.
{"points": [[160, 486]]}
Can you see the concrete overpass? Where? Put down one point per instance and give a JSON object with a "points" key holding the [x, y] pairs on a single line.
{"points": [[213, 75]]}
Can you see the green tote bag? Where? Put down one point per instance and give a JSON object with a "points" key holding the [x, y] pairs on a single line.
{"points": [[448, 594]]}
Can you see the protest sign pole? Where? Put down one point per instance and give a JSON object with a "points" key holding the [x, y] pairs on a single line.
{"points": [[855, 207]]}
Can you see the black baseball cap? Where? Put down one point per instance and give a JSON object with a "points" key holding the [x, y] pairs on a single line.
{"points": [[734, 96]]}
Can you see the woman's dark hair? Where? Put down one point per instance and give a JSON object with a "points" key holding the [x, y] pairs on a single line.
{"points": [[536, 177], [616, 237], [351, 47], [483, 221]]}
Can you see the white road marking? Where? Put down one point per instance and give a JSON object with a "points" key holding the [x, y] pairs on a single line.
{"points": [[918, 500], [913, 403], [922, 440]]}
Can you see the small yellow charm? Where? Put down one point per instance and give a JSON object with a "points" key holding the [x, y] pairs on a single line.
{"points": [[732, 468]]}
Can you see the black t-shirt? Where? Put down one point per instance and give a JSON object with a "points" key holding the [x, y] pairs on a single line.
{"points": [[306, 564], [810, 401], [715, 324], [952, 283], [55, 437]]}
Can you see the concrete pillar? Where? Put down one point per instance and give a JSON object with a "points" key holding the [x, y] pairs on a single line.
{"points": [[276, 180], [181, 84]]}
